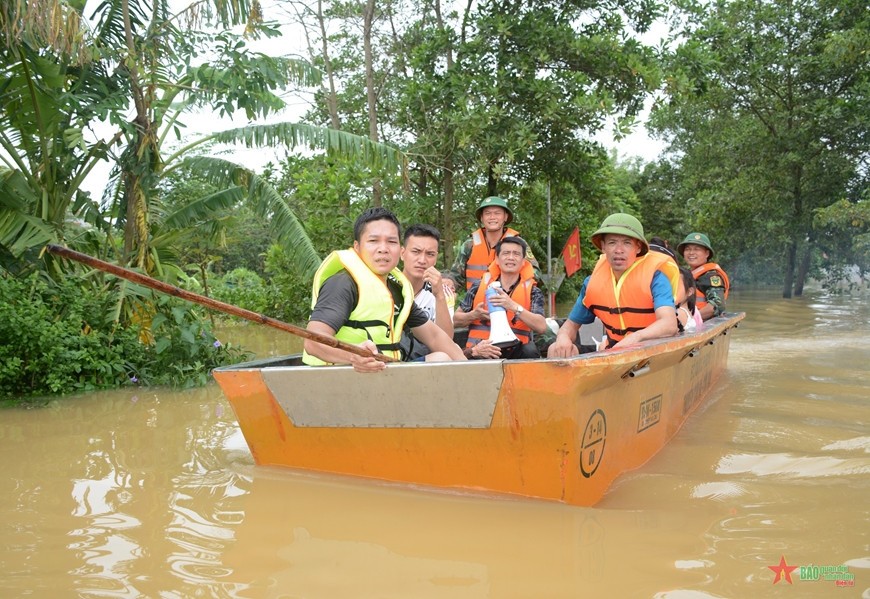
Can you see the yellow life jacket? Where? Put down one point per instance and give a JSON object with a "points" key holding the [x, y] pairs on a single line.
{"points": [[482, 255], [521, 294], [372, 317], [627, 305]]}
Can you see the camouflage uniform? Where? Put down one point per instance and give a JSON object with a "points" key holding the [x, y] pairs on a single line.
{"points": [[713, 287], [460, 265]]}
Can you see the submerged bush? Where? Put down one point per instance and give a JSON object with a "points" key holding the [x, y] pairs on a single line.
{"points": [[289, 288], [243, 288], [62, 338], [285, 295]]}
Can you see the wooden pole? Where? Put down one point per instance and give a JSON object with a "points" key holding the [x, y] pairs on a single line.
{"points": [[208, 302]]}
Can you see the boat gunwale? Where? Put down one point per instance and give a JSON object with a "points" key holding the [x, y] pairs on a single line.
{"points": [[714, 327]]}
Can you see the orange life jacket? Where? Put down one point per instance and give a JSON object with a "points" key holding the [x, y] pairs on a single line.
{"points": [[700, 296], [481, 256], [521, 294], [626, 305]]}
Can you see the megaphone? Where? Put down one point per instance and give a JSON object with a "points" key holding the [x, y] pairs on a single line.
{"points": [[500, 333], [450, 298]]}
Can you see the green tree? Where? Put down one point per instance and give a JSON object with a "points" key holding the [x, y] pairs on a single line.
{"points": [[138, 55], [64, 78], [662, 207], [768, 114], [499, 98], [843, 233], [52, 89]]}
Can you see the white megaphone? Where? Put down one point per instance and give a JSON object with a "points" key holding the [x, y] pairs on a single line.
{"points": [[500, 333]]}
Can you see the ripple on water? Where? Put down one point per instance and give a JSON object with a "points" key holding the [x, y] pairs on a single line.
{"points": [[692, 564], [199, 570], [859, 562], [784, 464], [685, 594], [718, 491], [856, 444]]}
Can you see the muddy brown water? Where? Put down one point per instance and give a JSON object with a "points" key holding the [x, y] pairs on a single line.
{"points": [[153, 493]]}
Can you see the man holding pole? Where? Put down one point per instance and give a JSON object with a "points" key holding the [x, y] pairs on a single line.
{"points": [[360, 297]]}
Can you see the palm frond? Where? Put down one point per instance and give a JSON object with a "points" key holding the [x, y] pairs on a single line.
{"points": [[111, 32], [265, 201], [19, 230], [231, 12], [300, 71], [203, 209], [164, 242], [288, 230], [291, 135]]}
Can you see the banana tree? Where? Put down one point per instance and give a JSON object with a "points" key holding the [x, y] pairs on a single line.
{"points": [[140, 60]]}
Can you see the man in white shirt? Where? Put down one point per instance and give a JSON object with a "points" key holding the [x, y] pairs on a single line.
{"points": [[419, 255]]}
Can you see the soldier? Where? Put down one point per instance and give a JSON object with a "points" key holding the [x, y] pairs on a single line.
{"points": [[517, 295], [631, 290], [711, 282], [478, 251]]}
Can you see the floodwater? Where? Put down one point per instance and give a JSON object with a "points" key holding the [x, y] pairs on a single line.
{"points": [[153, 493]]}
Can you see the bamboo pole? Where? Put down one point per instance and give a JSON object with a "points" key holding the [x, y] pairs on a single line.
{"points": [[208, 302]]}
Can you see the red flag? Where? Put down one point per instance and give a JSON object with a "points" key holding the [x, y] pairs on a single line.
{"points": [[571, 253]]}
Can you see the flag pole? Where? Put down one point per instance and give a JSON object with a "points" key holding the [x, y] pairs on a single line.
{"points": [[549, 256]]}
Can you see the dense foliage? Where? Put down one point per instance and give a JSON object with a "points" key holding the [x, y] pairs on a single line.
{"points": [[487, 98], [60, 338], [843, 232], [767, 114]]}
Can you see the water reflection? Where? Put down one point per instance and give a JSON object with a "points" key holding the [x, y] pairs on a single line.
{"points": [[263, 341], [153, 493], [326, 537], [114, 490]]}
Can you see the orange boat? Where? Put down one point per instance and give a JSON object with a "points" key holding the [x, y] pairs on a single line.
{"points": [[554, 429]]}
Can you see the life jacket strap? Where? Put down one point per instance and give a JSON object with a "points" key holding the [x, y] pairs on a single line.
{"points": [[622, 332], [364, 326], [621, 310]]}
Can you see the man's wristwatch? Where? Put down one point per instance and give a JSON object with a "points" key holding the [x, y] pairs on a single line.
{"points": [[519, 310]]}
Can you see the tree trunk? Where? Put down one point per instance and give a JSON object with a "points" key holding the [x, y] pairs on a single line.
{"points": [[797, 216], [803, 268], [448, 182], [423, 180], [791, 253], [491, 183], [137, 229], [370, 89], [205, 289], [447, 229], [331, 98]]}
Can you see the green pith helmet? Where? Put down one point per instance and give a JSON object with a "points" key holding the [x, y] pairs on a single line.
{"points": [[621, 224], [696, 239], [494, 201]]}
